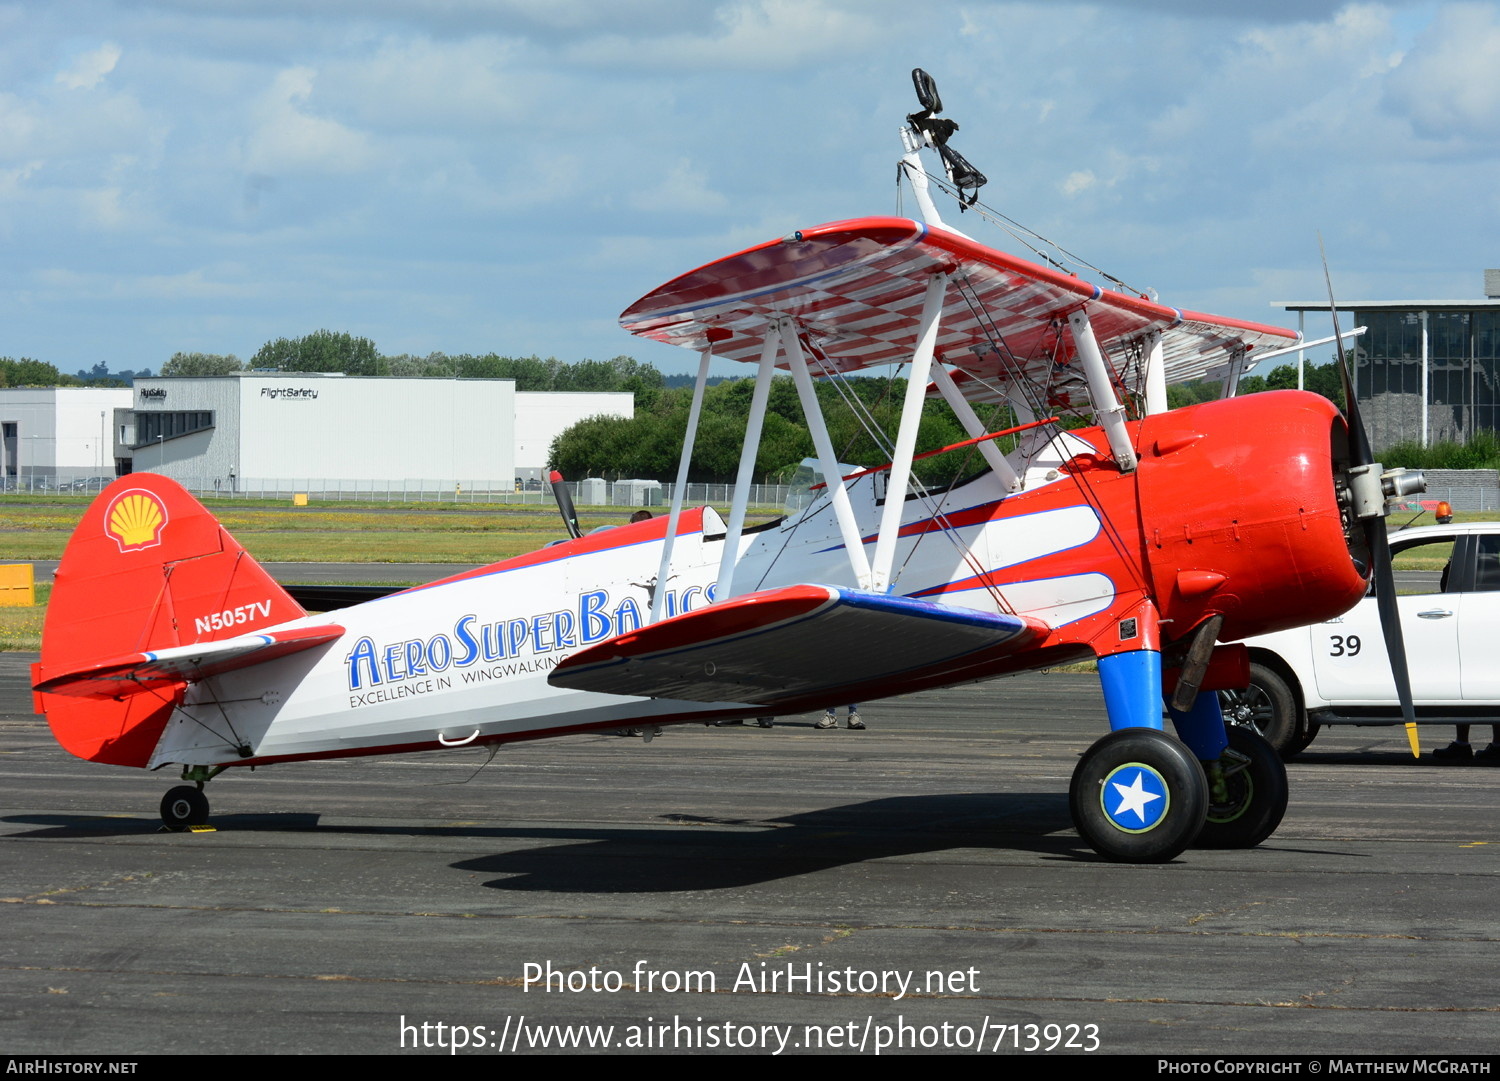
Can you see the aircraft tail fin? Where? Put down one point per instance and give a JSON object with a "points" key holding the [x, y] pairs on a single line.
{"points": [[148, 568]]}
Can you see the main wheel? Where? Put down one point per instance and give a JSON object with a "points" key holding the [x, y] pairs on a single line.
{"points": [[184, 806], [1250, 807], [1269, 707], [1138, 796]]}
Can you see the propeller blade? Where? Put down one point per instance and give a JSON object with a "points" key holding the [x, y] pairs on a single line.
{"points": [[1359, 439], [565, 505], [1390, 625], [1376, 539]]}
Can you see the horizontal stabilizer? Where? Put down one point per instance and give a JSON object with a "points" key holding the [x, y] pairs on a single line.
{"points": [[133, 672], [785, 645]]}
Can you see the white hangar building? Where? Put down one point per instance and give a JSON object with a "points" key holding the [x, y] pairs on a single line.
{"points": [[58, 435], [275, 431]]}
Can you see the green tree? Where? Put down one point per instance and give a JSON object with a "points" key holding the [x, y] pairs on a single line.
{"points": [[26, 372], [1321, 379], [320, 351], [648, 445], [204, 364], [432, 366], [598, 447], [99, 376], [1481, 451], [1195, 391]]}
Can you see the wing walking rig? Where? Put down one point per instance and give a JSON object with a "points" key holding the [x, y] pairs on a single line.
{"points": [[1146, 541]]}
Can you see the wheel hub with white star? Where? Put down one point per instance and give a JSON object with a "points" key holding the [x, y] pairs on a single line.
{"points": [[1135, 797]]}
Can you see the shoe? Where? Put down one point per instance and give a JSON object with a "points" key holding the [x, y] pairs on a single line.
{"points": [[1490, 754], [728, 724], [828, 721], [766, 722], [855, 724], [1454, 752]]}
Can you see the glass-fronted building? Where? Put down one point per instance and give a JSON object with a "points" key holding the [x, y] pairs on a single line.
{"points": [[1426, 371]]}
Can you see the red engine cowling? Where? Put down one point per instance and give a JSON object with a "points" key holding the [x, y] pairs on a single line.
{"points": [[1241, 514]]}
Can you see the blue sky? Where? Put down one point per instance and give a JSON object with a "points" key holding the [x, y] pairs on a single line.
{"points": [[508, 175]]}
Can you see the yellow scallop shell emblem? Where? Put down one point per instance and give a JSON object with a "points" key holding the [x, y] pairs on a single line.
{"points": [[135, 520]]}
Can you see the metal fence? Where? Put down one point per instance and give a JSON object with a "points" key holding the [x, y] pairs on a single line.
{"points": [[593, 492], [1464, 497]]}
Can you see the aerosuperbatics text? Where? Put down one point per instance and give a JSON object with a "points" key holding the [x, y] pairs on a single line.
{"points": [[474, 649]]}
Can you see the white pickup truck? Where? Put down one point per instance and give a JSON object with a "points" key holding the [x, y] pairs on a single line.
{"points": [[1337, 672]]}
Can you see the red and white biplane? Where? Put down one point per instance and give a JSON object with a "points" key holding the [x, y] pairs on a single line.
{"points": [[1143, 541]]}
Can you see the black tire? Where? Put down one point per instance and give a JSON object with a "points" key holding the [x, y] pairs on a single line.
{"points": [[1309, 733], [1154, 766], [1268, 707], [1255, 797], [184, 806]]}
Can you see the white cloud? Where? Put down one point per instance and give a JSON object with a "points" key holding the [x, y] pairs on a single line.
{"points": [[420, 84], [103, 207], [757, 35], [12, 179], [357, 158], [1079, 182], [197, 284], [19, 124], [683, 188], [289, 139], [1448, 84], [89, 69]]}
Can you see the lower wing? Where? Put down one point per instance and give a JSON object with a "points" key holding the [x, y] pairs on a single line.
{"points": [[793, 644]]}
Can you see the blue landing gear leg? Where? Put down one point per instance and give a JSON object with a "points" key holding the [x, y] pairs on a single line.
{"points": [[1137, 795], [1247, 788], [1132, 689]]}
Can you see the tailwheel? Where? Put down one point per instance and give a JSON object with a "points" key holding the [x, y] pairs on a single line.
{"points": [[1248, 797], [184, 806], [1138, 796]]}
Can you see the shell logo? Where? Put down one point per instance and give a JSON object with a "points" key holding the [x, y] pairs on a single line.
{"points": [[135, 520]]}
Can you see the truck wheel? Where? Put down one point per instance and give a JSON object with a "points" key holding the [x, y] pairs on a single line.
{"points": [[1309, 733], [1268, 707]]}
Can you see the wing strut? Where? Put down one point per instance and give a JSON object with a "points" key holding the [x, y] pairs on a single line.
{"points": [[975, 427], [659, 594], [906, 435], [746, 472], [1231, 370], [1107, 408], [1156, 373], [843, 510]]}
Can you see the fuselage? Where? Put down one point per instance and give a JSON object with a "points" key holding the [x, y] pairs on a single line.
{"points": [[1233, 511]]}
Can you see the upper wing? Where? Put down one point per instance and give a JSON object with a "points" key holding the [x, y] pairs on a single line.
{"points": [[854, 289], [807, 642]]}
